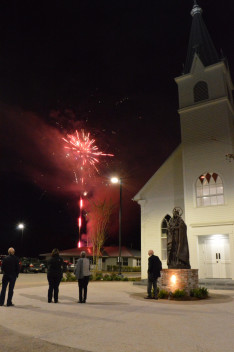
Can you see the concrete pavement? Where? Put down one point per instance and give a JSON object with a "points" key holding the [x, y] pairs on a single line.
{"points": [[115, 318]]}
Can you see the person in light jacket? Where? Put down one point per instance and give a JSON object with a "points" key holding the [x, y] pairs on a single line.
{"points": [[82, 272]]}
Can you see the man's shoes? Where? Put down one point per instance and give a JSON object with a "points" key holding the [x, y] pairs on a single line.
{"points": [[79, 302], [49, 301], [10, 305], [155, 298], [84, 301], [1, 305], [147, 297], [56, 301]]}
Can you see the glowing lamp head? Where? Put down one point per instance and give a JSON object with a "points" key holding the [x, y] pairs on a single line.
{"points": [[114, 180], [173, 279], [85, 194], [20, 226], [79, 244]]}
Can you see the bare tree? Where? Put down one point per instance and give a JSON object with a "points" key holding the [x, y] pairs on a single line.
{"points": [[99, 217]]}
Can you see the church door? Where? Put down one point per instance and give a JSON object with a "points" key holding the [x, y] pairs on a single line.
{"points": [[216, 256]]}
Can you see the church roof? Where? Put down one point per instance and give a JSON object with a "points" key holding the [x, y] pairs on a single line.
{"points": [[200, 42]]}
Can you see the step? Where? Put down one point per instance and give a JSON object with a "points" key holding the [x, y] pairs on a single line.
{"points": [[214, 284]]}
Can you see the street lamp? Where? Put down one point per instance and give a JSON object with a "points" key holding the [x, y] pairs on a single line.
{"points": [[21, 227], [119, 180]]}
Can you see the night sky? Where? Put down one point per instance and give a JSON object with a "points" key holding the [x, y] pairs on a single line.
{"points": [[107, 67]]}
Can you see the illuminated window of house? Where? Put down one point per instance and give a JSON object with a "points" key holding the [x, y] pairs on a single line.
{"points": [[200, 91], [125, 261], [209, 190], [164, 237], [138, 262]]}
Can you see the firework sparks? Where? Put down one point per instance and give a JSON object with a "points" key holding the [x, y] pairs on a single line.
{"points": [[86, 154], [83, 149]]}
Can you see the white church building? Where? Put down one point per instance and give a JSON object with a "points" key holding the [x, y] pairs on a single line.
{"points": [[197, 176]]}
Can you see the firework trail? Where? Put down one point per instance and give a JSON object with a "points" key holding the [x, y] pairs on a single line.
{"points": [[86, 156]]}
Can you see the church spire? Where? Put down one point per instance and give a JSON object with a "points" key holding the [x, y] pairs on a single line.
{"points": [[200, 42]]}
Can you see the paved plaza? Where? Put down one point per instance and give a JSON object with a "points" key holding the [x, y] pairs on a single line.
{"points": [[116, 317]]}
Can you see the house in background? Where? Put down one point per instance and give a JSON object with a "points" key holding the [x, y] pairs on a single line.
{"points": [[109, 256], [197, 177]]}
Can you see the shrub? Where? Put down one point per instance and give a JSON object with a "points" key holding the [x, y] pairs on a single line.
{"points": [[99, 276], [163, 294], [179, 293], [115, 277], [69, 277], [108, 277], [124, 268], [200, 292], [124, 279]]}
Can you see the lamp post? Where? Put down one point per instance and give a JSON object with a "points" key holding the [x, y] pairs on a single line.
{"points": [[21, 227], [119, 180]]}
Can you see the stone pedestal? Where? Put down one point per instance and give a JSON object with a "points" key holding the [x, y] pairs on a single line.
{"points": [[182, 279]]}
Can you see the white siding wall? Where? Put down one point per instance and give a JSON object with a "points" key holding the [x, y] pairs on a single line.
{"points": [[163, 192], [207, 136]]}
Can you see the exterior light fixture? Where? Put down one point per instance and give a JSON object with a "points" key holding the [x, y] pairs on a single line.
{"points": [[173, 279]]}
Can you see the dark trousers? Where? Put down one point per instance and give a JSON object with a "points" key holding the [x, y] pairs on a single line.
{"points": [[54, 282], [83, 284], [7, 279], [152, 282]]}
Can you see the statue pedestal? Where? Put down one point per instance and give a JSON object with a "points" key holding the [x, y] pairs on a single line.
{"points": [[182, 279]]}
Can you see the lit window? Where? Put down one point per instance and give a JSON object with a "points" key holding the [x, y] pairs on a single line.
{"points": [[164, 237], [200, 91], [209, 190], [125, 261]]}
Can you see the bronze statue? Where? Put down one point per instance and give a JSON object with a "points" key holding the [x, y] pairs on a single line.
{"points": [[177, 242]]}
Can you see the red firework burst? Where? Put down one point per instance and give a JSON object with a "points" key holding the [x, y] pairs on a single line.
{"points": [[83, 149], [86, 154]]}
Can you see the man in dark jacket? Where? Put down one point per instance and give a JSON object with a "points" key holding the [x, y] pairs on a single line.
{"points": [[154, 268], [10, 268]]}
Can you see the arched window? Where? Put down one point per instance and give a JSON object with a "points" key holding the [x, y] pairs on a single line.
{"points": [[209, 190], [164, 237], [200, 91]]}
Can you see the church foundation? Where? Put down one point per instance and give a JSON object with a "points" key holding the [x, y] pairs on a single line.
{"points": [[178, 279]]}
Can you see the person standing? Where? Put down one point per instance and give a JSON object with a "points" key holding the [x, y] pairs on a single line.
{"points": [[54, 275], [82, 272], [10, 268], [154, 268]]}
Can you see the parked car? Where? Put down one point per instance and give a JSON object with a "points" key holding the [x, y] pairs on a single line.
{"points": [[45, 263], [1, 259], [32, 265], [71, 267]]}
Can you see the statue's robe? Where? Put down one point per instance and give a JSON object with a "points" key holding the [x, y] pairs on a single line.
{"points": [[177, 244]]}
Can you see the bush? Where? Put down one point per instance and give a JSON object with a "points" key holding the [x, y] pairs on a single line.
{"points": [[200, 292], [124, 268], [69, 277], [179, 294], [163, 294], [99, 276]]}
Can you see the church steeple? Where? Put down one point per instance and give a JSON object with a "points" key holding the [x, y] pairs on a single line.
{"points": [[200, 42]]}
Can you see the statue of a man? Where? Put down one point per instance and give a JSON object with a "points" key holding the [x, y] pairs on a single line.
{"points": [[177, 242]]}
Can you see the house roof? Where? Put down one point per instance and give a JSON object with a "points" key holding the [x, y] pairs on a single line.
{"points": [[105, 252]]}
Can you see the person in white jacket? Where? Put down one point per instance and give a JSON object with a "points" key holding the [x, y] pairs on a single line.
{"points": [[82, 272]]}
